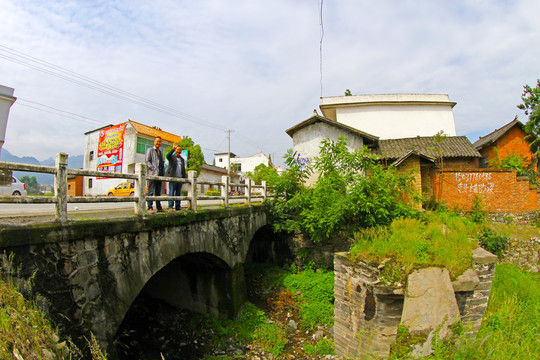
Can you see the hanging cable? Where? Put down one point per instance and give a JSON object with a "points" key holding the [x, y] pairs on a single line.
{"points": [[320, 44], [76, 78]]}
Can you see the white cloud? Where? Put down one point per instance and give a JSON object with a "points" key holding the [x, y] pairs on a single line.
{"points": [[254, 66]]}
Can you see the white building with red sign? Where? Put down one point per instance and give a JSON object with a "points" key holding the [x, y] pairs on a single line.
{"points": [[117, 148]]}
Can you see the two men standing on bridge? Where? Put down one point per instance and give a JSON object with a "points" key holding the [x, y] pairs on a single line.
{"points": [[177, 168], [156, 166]]}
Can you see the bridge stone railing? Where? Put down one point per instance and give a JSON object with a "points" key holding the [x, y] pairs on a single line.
{"points": [[61, 199]]}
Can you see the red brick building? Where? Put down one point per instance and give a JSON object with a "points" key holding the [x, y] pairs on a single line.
{"points": [[508, 140]]}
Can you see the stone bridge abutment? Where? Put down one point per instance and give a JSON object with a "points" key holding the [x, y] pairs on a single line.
{"points": [[88, 273]]}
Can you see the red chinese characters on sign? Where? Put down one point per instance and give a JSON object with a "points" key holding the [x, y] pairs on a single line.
{"points": [[110, 148]]}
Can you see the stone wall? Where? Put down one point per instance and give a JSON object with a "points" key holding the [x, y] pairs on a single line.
{"points": [[522, 217], [524, 253], [367, 314]]}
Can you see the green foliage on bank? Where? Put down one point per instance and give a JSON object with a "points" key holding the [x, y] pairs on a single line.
{"points": [[352, 188], [441, 239], [315, 291], [24, 330]]}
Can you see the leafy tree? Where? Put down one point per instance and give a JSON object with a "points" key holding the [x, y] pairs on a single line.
{"points": [[514, 161], [531, 107], [262, 172], [31, 183], [353, 188], [195, 154]]}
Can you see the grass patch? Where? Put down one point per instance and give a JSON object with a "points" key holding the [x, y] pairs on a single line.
{"points": [[316, 296], [24, 330], [322, 347], [511, 327], [437, 239]]}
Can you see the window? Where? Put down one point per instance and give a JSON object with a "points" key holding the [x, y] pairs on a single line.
{"points": [[144, 144], [89, 183], [91, 156], [220, 160], [69, 186], [237, 167]]}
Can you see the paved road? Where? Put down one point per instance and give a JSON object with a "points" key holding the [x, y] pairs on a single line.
{"points": [[43, 209], [21, 214]]}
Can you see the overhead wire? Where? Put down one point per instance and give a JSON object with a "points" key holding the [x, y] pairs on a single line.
{"points": [[79, 117], [82, 80], [321, 44], [85, 81]]}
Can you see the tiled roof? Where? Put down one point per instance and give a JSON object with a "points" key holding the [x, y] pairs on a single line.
{"points": [[316, 118], [153, 132], [452, 147], [496, 135]]}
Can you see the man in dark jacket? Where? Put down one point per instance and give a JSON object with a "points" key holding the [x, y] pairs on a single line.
{"points": [[177, 168], [156, 166]]}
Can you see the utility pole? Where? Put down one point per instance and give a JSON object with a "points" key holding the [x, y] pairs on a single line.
{"points": [[229, 151]]}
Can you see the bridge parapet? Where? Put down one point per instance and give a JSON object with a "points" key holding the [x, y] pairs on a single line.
{"points": [[61, 199]]}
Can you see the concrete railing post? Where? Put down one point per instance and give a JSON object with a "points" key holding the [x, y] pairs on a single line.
{"points": [[60, 187], [140, 189], [192, 203], [248, 192], [225, 191], [264, 190]]}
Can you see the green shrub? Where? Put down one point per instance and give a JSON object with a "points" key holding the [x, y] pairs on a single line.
{"points": [[493, 242], [271, 338], [213, 193], [317, 296], [478, 214], [322, 347], [184, 193], [352, 188]]}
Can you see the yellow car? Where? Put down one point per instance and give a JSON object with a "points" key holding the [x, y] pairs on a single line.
{"points": [[123, 189]]}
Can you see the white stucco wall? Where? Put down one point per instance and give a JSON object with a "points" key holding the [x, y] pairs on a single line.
{"points": [[249, 163], [307, 142], [393, 116]]}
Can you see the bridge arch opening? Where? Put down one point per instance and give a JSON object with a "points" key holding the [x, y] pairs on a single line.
{"points": [[268, 246], [191, 283]]}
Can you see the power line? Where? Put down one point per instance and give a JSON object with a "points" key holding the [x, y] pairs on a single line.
{"points": [[85, 81], [76, 78], [79, 117], [320, 44]]}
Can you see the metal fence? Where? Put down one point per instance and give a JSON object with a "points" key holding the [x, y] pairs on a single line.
{"points": [[61, 198]]}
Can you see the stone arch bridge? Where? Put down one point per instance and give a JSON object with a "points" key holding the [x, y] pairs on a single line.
{"points": [[88, 273]]}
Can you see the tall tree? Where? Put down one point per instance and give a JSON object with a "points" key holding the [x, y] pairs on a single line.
{"points": [[195, 155], [531, 107]]}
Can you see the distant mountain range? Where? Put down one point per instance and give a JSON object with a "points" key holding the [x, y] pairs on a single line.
{"points": [[74, 162]]}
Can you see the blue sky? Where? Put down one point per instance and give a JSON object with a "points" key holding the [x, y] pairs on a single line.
{"points": [[254, 66]]}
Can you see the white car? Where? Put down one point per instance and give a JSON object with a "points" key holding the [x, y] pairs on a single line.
{"points": [[16, 188]]}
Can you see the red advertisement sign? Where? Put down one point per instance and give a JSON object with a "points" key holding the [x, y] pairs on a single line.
{"points": [[110, 148]]}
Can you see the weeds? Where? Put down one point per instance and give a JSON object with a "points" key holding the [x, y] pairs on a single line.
{"points": [[441, 240], [316, 299], [478, 214], [323, 347], [493, 242]]}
